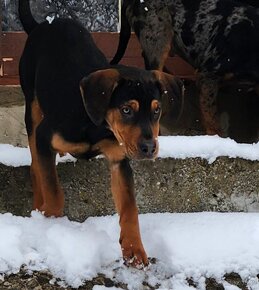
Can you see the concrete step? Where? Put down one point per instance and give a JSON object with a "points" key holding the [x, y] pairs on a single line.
{"points": [[166, 185]]}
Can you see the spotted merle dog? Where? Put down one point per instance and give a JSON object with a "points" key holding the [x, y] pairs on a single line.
{"points": [[219, 38]]}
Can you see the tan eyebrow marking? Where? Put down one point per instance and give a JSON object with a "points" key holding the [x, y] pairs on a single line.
{"points": [[134, 104]]}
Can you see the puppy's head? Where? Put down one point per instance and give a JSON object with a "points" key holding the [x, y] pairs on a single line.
{"points": [[131, 101]]}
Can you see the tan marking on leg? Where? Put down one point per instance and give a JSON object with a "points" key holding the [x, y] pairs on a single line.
{"points": [[122, 187], [36, 116], [52, 193], [123, 194], [48, 196], [62, 146]]}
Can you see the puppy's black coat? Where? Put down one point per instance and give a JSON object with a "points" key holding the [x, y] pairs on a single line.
{"points": [[77, 103]]}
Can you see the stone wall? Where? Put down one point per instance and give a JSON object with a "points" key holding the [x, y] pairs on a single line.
{"points": [[95, 15]]}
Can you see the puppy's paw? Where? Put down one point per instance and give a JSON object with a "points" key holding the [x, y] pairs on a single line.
{"points": [[134, 254], [51, 211]]}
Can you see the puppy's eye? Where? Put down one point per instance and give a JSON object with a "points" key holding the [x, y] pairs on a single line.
{"points": [[157, 111], [126, 110]]}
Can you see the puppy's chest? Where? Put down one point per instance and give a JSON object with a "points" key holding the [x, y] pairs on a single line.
{"points": [[80, 141]]}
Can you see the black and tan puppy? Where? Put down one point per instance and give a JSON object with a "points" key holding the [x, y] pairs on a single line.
{"points": [[219, 38], [116, 114]]}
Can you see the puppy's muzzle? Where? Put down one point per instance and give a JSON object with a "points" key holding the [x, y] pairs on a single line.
{"points": [[147, 149]]}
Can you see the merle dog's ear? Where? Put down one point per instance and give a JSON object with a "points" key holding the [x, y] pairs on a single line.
{"points": [[172, 90], [96, 90]]}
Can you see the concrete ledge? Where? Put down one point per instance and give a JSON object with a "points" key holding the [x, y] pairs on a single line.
{"points": [[166, 185], [11, 96], [12, 130]]}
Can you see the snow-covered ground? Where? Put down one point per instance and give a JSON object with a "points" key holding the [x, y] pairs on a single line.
{"points": [[196, 245], [207, 147]]}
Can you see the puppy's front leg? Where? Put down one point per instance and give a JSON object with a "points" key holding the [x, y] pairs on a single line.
{"points": [[123, 193]]}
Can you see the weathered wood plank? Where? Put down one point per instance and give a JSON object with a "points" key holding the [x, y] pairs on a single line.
{"points": [[13, 43]]}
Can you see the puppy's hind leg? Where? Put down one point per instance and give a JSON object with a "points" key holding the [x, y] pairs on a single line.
{"points": [[51, 192], [33, 117]]}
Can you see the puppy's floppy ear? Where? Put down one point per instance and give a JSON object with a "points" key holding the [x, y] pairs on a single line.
{"points": [[172, 90], [96, 90]]}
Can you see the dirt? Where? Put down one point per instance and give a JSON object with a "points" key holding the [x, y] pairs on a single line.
{"points": [[43, 280]]}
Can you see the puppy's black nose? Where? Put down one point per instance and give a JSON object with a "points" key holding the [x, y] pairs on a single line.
{"points": [[147, 148]]}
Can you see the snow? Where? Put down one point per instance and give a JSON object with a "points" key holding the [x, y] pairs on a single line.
{"points": [[206, 147], [18, 156], [50, 19], [196, 245]]}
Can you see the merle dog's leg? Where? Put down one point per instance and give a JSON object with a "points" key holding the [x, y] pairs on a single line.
{"points": [[208, 89], [155, 33]]}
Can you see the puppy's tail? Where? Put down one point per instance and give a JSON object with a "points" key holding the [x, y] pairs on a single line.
{"points": [[27, 20], [124, 35]]}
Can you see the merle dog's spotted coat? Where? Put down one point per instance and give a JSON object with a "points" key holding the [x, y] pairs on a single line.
{"points": [[219, 38]]}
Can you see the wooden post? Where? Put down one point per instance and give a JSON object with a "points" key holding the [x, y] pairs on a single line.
{"points": [[119, 14]]}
